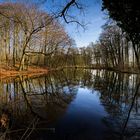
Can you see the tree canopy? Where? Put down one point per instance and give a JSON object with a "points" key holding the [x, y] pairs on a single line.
{"points": [[127, 15]]}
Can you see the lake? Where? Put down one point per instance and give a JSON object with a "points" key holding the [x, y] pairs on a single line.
{"points": [[71, 104]]}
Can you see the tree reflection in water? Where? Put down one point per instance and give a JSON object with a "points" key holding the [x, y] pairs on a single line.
{"points": [[36, 103], [120, 97]]}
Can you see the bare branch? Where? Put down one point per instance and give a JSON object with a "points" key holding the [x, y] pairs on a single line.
{"points": [[64, 12]]}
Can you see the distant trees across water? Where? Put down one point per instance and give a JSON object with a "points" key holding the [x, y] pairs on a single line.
{"points": [[30, 36]]}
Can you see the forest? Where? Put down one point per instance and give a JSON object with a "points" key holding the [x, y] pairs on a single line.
{"points": [[31, 37], [52, 88]]}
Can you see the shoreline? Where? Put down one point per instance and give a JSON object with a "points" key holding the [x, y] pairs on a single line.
{"points": [[12, 72], [8, 72]]}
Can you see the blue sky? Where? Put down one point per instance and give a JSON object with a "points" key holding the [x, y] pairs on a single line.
{"points": [[93, 17]]}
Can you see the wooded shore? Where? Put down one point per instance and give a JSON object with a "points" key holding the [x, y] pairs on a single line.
{"points": [[7, 72]]}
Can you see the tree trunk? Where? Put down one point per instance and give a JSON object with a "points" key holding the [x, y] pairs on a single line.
{"points": [[136, 55], [21, 65]]}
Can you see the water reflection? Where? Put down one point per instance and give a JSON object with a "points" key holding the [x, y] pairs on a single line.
{"points": [[71, 104]]}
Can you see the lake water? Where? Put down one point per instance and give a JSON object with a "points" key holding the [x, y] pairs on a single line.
{"points": [[72, 104]]}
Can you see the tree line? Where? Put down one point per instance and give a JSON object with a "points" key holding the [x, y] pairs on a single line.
{"points": [[113, 50], [29, 35]]}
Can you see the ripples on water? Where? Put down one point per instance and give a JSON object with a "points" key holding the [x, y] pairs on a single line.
{"points": [[71, 105]]}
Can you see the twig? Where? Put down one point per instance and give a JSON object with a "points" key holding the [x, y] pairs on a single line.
{"points": [[28, 128]]}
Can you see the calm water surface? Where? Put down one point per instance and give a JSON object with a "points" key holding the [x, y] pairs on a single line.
{"points": [[71, 105]]}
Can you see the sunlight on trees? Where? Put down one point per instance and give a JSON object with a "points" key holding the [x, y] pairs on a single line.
{"points": [[26, 31]]}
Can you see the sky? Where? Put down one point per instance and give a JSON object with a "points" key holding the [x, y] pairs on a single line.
{"points": [[91, 15], [94, 18]]}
